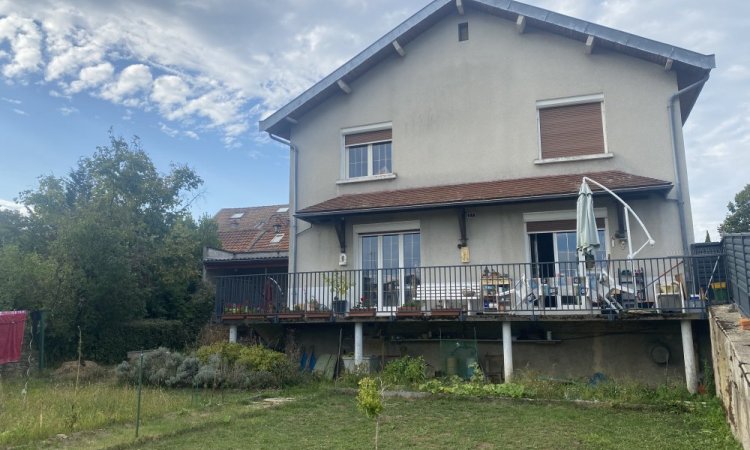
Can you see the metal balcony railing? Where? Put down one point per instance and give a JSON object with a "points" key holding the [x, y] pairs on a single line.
{"points": [[668, 285]]}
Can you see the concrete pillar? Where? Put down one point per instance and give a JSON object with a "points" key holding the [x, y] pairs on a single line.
{"points": [[358, 357], [233, 333], [507, 352], [688, 352]]}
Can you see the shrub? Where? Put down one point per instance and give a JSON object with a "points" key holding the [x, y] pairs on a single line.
{"points": [[214, 366], [405, 371]]}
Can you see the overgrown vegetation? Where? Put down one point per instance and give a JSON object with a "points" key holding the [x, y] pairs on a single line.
{"points": [[405, 371], [220, 365], [113, 249]]}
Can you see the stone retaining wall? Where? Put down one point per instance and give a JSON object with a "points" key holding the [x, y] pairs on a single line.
{"points": [[731, 358]]}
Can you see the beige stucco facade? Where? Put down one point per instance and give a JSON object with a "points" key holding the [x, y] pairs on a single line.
{"points": [[467, 111]]}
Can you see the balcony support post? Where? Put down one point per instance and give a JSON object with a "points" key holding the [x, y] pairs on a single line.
{"points": [[688, 352], [358, 357], [507, 352], [233, 333]]}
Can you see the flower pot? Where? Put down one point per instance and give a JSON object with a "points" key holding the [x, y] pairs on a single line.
{"points": [[256, 317], [409, 311], [362, 312], [294, 315], [446, 312], [318, 315], [233, 316], [339, 306]]}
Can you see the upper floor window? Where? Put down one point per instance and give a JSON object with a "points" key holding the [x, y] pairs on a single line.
{"points": [[572, 129], [368, 153]]}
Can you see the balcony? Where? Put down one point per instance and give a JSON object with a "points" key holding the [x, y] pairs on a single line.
{"points": [[656, 288]]}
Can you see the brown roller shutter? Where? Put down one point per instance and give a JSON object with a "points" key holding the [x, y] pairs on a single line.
{"points": [[547, 226], [367, 137], [572, 130]]}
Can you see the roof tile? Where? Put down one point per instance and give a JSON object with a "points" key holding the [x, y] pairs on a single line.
{"points": [[500, 191]]}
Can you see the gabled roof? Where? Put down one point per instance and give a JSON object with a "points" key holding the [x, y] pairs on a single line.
{"points": [[478, 194], [690, 66], [252, 230]]}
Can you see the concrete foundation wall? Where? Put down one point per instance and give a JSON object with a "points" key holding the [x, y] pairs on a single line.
{"points": [[731, 360], [619, 350]]}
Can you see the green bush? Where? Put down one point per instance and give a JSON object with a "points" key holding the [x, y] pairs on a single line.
{"points": [[220, 365], [457, 386], [405, 371]]}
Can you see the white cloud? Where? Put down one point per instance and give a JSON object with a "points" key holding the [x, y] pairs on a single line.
{"points": [[171, 132], [168, 91], [25, 42], [12, 100], [8, 205], [67, 110], [133, 79], [91, 77], [20, 112]]}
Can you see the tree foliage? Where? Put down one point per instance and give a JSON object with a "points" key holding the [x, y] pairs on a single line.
{"points": [[110, 243], [738, 219]]}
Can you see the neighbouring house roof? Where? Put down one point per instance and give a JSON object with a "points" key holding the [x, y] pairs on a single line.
{"points": [[477, 194], [690, 66], [260, 232]]}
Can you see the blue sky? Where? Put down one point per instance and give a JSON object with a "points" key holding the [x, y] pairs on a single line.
{"points": [[192, 78]]}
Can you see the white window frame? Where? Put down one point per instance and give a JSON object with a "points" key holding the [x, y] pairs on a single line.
{"points": [[570, 101], [344, 156], [380, 229]]}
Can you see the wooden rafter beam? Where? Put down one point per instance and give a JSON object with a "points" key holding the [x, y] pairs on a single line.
{"points": [[521, 24]]}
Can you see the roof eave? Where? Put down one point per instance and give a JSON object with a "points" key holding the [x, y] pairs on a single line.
{"points": [[314, 216]]}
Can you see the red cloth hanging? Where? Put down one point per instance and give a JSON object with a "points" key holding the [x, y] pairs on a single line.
{"points": [[11, 335]]}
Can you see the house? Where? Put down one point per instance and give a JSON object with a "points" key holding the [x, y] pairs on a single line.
{"points": [[254, 241], [434, 183]]}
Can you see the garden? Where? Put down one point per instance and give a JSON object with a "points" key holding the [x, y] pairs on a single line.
{"points": [[231, 395]]}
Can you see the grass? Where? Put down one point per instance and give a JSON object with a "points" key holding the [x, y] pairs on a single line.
{"points": [[320, 417], [51, 408]]}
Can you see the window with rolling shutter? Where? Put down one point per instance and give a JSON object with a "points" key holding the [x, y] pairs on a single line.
{"points": [[571, 130], [368, 153]]}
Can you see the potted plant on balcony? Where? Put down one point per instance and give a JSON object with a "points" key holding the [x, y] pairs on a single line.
{"points": [[362, 308], [447, 309], [295, 314], [256, 314], [412, 308], [339, 285], [232, 311], [317, 311]]}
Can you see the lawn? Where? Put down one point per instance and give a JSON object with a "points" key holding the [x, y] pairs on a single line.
{"points": [[317, 416]]}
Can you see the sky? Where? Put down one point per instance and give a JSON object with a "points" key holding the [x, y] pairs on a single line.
{"points": [[191, 79]]}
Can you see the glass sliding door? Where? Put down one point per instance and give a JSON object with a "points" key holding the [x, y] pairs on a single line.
{"points": [[389, 274], [556, 266]]}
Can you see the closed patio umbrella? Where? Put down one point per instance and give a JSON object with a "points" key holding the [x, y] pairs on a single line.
{"points": [[587, 237]]}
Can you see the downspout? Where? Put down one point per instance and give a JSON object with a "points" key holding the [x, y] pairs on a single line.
{"points": [[294, 154], [676, 154]]}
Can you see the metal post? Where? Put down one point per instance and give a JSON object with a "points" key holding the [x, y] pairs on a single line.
{"points": [[507, 352], [358, 356], [138, 408], [688, 351], [233, 333], [42, 360]]}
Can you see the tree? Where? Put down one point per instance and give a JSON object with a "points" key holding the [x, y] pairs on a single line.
{"points": [[110, 244], [738, 219]]}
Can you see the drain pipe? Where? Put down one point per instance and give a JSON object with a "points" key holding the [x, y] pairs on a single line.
{"points": [[294, 154], [676, 154]]}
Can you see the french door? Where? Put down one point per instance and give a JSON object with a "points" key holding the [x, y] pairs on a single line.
{"points": [[557, 267], [389, 269]]}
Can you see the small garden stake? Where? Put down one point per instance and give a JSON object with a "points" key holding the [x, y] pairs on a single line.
{"points": [[138, 408]]}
